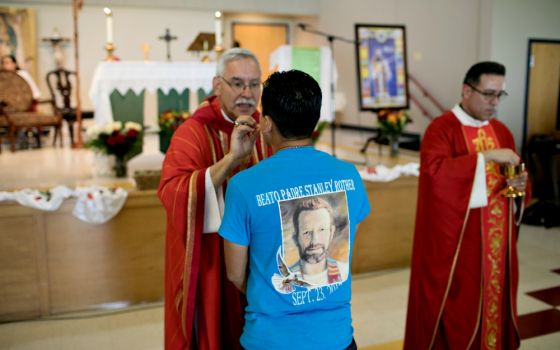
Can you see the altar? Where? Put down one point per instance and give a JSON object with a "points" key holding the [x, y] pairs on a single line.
{"points": [[149, 76], [53, 263]]}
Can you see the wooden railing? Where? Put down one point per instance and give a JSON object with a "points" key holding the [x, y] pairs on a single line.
{"points": [[427, 95]]}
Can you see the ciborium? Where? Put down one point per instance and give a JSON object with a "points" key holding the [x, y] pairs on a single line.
{"points": [[511, 172]]}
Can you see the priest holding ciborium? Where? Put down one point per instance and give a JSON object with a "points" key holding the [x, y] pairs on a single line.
{"points": [[472, 191]]}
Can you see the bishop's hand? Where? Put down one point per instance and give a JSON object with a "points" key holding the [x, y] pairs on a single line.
{"points": [[242, 141], [243, 137]]}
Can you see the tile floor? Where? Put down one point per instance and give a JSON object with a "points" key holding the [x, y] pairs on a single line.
{"points": [[378, 306]]}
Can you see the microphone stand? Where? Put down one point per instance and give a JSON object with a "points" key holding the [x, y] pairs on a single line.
{"points": [[330, 39]]}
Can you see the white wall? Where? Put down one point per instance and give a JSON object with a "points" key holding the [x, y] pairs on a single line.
{"points": [[443, 38], [133, 26], [442, 42], [284, 7], [514, 22]]}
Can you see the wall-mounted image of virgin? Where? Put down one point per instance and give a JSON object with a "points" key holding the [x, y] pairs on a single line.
{"points": [[18, 38]]}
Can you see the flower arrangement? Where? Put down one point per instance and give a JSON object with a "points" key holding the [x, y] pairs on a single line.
{"points": [[391, 123], [124, 141], [114, 138], [168, 122]]}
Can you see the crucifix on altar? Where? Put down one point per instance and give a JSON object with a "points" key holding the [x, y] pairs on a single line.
{"points": [[168, 37], [56, 42]]}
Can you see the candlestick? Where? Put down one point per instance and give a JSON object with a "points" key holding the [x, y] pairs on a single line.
{"points": [[109, 16], [110, 49], [218, 29]]}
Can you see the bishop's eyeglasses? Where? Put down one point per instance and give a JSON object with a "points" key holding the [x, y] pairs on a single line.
{"points": [[490, 95], [239, 85]]}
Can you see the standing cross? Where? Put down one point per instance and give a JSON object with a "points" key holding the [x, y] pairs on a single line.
{"points": [[56, 42], [168, 37]]}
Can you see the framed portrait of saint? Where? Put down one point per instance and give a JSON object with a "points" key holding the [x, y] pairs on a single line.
{"points": [[381, 66]]}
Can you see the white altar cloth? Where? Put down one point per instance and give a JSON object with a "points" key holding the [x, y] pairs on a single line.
{"points": [[137, 76]]}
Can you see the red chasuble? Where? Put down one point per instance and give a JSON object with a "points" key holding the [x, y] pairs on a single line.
{"points": [[464, 271], [201, 305]]}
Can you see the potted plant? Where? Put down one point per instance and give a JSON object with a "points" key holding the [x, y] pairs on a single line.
{"points": [[115, 138], [168, 122], [391, 124]]}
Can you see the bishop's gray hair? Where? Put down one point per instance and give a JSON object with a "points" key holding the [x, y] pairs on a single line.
{"points": [[234, 54]]}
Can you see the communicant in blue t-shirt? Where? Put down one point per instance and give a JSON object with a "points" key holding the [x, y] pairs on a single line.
{"points": [[289, 226]]}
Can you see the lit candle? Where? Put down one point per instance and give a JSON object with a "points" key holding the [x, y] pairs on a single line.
{"points": [[218, 29], [146, 48], [109, 16]]}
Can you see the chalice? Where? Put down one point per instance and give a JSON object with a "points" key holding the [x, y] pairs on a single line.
{"points": [[511, 172]]}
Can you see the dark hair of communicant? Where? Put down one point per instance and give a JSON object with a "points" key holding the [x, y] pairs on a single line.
{"points": [[292, 99], [493, 68]]}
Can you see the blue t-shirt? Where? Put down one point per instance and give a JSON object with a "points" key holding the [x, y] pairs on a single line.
{"points": [[297, 212]]}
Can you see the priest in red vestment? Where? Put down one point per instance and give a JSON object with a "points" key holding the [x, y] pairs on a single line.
{"points": [[464, 273], [203, 310]]}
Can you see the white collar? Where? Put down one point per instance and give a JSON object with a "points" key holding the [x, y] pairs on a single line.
{"points": [[466, 119], [226, 117]]}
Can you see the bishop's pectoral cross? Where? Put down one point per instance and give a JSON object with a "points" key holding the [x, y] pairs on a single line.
{"points": [[168, 37]]}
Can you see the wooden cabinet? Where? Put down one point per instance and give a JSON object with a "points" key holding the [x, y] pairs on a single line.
{"points": [[384, 238], [51, 262]]}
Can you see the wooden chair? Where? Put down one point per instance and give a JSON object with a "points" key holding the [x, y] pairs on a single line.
{"points": [[16, 102], [60, 83]]}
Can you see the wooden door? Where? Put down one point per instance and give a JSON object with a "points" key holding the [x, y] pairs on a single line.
{"points": [[543, 91], [262, 39]]}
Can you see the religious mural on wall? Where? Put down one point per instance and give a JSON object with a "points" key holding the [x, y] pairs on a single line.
{"points": [[18, 38], [381, 61]]}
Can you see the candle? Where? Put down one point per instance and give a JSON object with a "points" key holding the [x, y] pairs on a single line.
{"points": [[109, 16], [146, 48], [218, 29]]}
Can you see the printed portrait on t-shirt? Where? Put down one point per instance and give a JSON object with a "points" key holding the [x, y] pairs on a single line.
{"points": [[315, 242]]}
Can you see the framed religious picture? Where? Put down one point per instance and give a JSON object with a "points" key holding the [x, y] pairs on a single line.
{"points": [[381, 65], [18, 38]]}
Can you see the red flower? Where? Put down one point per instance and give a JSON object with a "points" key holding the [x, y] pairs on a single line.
{"points": [[383, 114], [116, 139], [131, 133]]}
